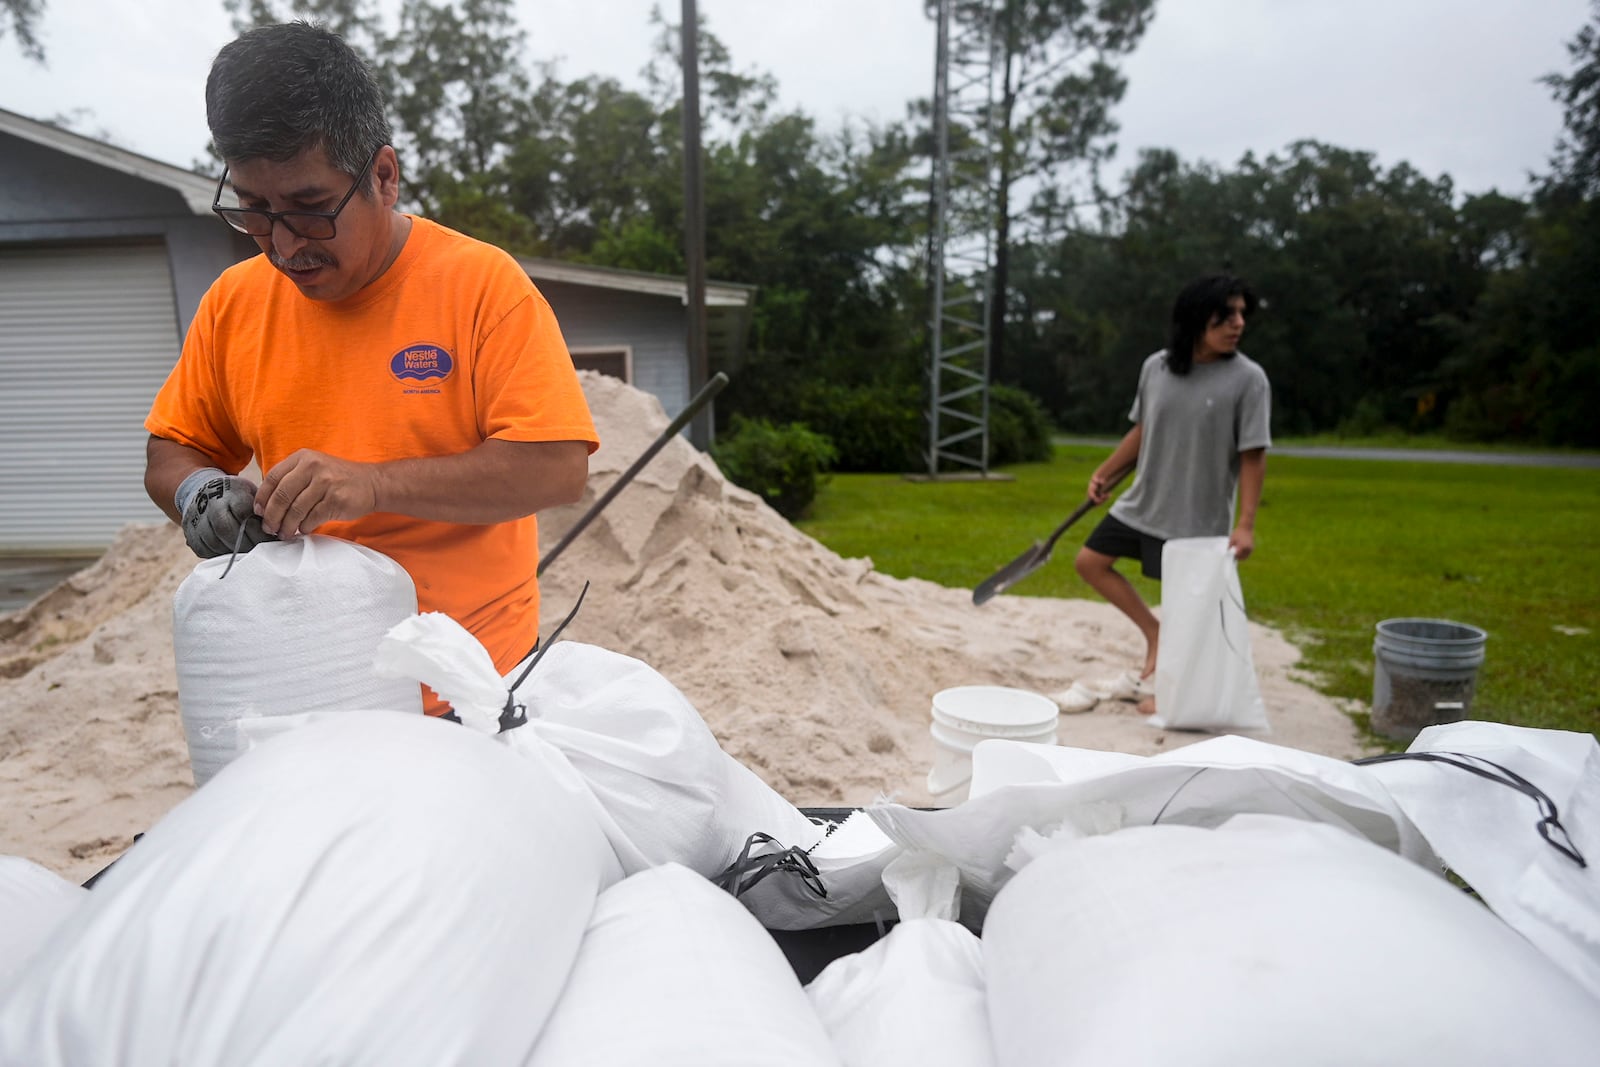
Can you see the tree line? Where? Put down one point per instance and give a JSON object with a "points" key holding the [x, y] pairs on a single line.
{"points": [[1391, 300]]}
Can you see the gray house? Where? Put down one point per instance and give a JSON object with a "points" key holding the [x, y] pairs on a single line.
{"points": [[104, 255]]}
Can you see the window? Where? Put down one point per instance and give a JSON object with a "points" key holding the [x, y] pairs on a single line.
{"points": [[617, 361]]}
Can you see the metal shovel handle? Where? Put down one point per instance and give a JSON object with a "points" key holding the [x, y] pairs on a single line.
{"points": [[701, 399], [1039, 554]]}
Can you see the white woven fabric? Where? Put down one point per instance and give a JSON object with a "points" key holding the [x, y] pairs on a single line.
{"points": [[1269, 941], [291, 629], [372, 888], [33, 901], [1205, 670], [664, 788], [673, 971]]}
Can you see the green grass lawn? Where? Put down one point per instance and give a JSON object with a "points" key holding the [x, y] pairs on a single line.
{"points": [[1340, 546]]}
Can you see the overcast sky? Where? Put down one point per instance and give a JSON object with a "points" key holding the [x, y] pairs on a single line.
{"points": [[1450, 86]]}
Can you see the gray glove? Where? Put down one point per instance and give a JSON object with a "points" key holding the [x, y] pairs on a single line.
{"points": [[215, 508]]}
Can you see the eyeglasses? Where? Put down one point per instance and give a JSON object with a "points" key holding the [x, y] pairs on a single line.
{"points": [[308, 225]]}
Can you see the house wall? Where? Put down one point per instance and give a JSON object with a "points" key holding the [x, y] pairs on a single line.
{"points": [[48, 197], [653, 325]]}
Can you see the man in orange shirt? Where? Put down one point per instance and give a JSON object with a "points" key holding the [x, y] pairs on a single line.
{"points": [[403, 386]]}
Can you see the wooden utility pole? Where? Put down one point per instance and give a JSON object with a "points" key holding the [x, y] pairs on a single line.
{"points": [[694, 227]]}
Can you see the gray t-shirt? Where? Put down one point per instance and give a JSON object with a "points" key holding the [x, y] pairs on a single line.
{"points": [[1195, 426]]}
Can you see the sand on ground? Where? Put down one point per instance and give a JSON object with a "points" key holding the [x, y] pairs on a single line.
{"points": [[815, 671]]}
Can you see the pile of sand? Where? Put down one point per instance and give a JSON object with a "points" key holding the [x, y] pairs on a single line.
{"points": [[815, 671]]}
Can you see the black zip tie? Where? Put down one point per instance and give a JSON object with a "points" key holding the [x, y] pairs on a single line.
{"points": [[238, 539], [1181, 787], [95, 877], [747, 871], [1550, 819], [513, 714]]}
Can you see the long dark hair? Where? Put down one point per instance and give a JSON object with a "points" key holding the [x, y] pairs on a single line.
{"points": [[1201, 302]]}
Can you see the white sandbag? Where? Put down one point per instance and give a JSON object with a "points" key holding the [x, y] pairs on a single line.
{"points": [[33, 902], [1043, 788], [915, 997], [672, 970], [292, 628], [1266, 942], [1490, 834], [1205, 671], [666, 791], [374, 888]]}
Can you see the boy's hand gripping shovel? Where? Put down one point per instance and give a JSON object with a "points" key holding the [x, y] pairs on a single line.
{"points": [[1039, 554]]}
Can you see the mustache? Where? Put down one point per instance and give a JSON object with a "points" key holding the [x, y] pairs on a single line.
{"points": [[305, 261]]}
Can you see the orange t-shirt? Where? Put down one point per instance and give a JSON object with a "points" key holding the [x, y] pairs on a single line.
{"points": [[452, 346]]}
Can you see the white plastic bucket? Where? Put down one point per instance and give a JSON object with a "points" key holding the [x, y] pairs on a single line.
{"points": [[967, 714]]}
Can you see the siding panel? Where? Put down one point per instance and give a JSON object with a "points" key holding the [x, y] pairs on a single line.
{"points": [[87, 335], [653, 325]]}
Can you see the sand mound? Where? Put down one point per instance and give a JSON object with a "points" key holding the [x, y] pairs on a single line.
{"points": [[814, 670]]}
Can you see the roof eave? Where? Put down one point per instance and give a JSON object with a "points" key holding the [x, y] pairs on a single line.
{"points": [[197, 191], [718, 294]]}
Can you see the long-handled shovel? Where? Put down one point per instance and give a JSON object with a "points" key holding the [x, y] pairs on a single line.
{"points": [[707, 391], [1038, 555]]}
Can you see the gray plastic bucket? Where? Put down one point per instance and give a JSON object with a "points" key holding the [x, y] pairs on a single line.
{"points": [[1426, 672]]}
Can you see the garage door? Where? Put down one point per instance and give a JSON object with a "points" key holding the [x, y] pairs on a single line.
{"points": [[87, 336]]}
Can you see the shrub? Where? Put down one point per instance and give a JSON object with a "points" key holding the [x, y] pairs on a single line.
{"points": [[1019, 427], [1366, 419], [881, 428], [783, 465]]}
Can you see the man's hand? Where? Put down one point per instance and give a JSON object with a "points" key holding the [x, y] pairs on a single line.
{"points": [[1099, 487], [215, 514], [1242, 542], [310, 488]]}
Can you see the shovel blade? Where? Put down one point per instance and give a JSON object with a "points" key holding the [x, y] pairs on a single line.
{"points": [[1011, 573]]}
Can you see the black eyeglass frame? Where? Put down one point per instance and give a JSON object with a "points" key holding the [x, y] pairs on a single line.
{"points": [[288, 217]]}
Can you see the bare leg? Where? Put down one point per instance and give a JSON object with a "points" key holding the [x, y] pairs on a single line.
{"points": [[1097, 569]]}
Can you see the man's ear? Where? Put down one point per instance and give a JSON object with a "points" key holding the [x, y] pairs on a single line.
{"points": [[386, 169]]}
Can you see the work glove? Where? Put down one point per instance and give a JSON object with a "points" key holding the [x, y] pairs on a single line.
{"points": [[215, 508]]}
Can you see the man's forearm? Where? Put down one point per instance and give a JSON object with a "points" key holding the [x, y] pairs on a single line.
{"points": [[495, 482], [1126, 454], [166, 465], [1252, 476]]}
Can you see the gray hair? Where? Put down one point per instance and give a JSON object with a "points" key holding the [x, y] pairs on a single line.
{"points": [[277, 91]]}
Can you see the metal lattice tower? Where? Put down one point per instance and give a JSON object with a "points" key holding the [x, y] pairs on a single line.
{"points": [[961, 260]]}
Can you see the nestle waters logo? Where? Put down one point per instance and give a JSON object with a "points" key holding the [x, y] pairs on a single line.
{"points": [[421, 363]]}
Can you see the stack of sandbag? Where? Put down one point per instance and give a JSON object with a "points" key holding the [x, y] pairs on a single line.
{"points": [[1266, 941], [1020, 788], [661, 784], [1258, 940], [369, 888], [1516, 813]]}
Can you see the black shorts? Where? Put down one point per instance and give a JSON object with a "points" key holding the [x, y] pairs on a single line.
{"points": [[1116, 538]]}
